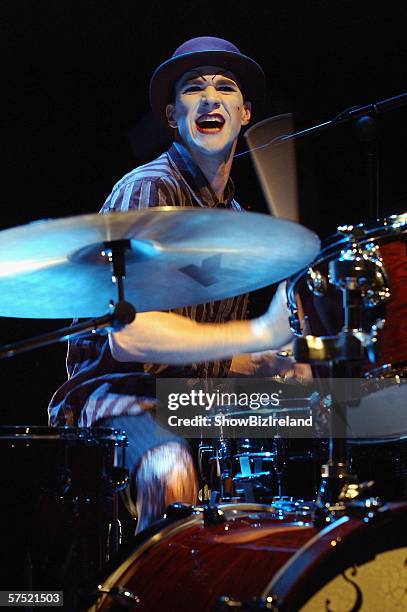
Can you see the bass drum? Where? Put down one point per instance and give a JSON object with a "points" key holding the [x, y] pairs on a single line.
{"points": [[228, 557]]}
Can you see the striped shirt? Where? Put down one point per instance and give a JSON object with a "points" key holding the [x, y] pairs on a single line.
{"points": [[100, 387]]}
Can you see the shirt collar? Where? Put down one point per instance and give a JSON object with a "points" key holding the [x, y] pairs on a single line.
{"points": [[196, 180]]}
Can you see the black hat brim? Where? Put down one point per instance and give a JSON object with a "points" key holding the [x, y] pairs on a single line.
{"points": [[248, 72]]}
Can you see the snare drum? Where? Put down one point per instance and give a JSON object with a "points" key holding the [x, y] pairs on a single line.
{"points": [[258, 470], [225, 557], [59, 504], [238, 467]]}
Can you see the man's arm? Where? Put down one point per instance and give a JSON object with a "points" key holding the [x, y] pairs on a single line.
{"points": [[161, 337]]}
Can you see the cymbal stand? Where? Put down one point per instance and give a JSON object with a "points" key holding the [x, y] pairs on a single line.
{"points": [[120, 313], [357, 273]]}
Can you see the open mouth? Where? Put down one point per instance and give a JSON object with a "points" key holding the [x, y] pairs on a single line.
{"points": [[210, 123]]}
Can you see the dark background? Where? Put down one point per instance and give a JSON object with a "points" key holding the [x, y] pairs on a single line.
{"points": [[76, 118]]}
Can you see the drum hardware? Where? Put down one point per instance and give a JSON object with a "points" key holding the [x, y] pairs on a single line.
{"points": [[396, 371], [283, 505], [64, 482], [355, 272], [375, 243], [317, 282], [213, 515], [120, 314], [177, 510], [205, 469], [120, 479], [365, 260], [380, 416], [256, 604], [246, 482], [360, 268], [123, 598], [352, 491], [366, 509], [285, 354], [280, 463]]}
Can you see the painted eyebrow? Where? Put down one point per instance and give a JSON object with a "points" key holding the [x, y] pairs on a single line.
{"points": [[196, 79]]}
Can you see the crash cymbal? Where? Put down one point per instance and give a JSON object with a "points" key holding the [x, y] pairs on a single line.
{"points": [[179, 256]]}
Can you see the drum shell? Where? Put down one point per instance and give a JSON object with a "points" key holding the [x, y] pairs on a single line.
{"points": [[279, 467], [58, 489], [384, 462], [189, 565], [255, 554], [380, 415], [322, 315]]}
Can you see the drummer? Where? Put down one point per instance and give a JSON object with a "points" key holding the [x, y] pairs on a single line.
{"points": [[204, 92]]}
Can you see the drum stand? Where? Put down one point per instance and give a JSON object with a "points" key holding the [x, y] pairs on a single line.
{"points": [[355, 275]]}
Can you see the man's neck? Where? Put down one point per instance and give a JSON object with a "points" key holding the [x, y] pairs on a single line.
{"points": [[216, 169]]}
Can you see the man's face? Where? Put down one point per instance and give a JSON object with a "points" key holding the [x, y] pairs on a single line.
{"points": [[209, 110]]}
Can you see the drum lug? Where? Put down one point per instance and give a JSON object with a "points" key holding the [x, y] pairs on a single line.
{"points": [[120, 478], [366, 509], [177, 511], [295, 324], [64, 482], [360, 268], [264, 603], [317, 282], [323, 516], [373, 338], [121, 596], [213, 515]]}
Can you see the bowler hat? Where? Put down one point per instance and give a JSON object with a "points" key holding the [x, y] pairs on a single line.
{"points": [[205, 51]]}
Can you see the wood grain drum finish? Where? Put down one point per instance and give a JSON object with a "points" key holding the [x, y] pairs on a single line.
{"points": [[278, 558], [191, 565]]}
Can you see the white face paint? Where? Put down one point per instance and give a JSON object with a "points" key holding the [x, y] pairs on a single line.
{"points": [[209, 110]]}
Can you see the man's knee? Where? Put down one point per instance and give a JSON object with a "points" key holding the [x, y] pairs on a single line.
{"points": [[169, 468]]}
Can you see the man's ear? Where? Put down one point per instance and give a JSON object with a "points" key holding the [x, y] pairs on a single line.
{"points": [[246, 113], [170, 114]]}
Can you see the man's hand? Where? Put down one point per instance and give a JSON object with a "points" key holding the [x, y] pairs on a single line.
{"points": [[270, 363]]}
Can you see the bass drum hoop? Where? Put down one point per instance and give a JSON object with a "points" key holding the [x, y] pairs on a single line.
{"points": [[353, 540]]}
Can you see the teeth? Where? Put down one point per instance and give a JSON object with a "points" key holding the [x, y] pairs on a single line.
{"points": [[210, 118]]}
